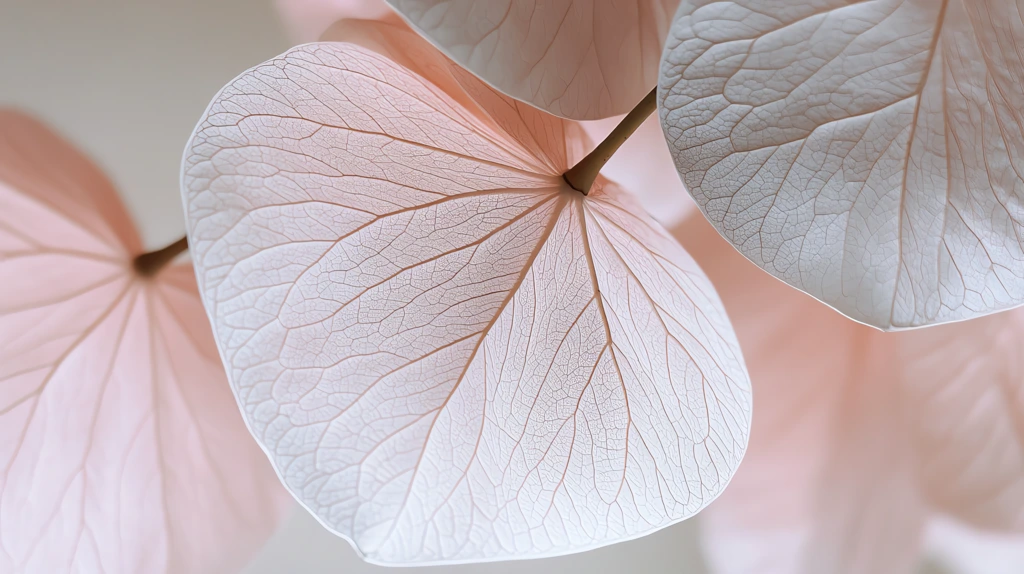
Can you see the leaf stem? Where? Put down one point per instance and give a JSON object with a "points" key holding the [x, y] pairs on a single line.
{"points": [[148, 264], [582, 175]]}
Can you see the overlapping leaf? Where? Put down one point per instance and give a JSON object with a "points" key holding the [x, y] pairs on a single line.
{"points": [[450, 354], [121, 449], [579, 59], [306, 20], [868, 153], [965, 550], [862, 437], [643, 165]]}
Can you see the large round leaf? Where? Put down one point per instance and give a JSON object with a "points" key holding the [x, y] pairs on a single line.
{"points": [[121, 447], [869, 153], [450, 354], [579, 59]]}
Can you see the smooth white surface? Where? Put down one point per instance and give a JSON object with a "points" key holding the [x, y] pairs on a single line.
{"points": [[579, 59]]}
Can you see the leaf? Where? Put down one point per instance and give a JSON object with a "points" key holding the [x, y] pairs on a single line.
{"points": [[578, 59], [827, 482], [965, 388], [867, 153], [120, 446], [450, 354], [964, 550], [306, 20], [861, 438], [642, 165]]}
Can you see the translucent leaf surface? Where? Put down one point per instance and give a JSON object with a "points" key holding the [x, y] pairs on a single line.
{"points": [[579, 59], [827, 482], [121, 448], [868, 153], [861, 437], [643, 165], [449, 353]]}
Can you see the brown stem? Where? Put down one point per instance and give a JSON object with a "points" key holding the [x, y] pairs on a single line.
{"points": [[148, 264], [582, 175]]}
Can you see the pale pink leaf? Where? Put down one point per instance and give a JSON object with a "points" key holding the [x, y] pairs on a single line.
{"points": [[936, 429], [306, 20], [121, 448], [868, 153], [553, 143], [828, 483], [964, 386], [579, 59], [450, 354], [965, 550], [642, 165]]}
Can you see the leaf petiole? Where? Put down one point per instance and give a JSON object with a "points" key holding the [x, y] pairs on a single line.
{"points": [[582, 175], [148, 264]]}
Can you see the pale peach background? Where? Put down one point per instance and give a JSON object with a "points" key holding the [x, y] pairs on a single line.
{"points": [[126, 82]]}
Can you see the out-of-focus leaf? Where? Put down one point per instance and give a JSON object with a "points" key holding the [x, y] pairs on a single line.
{"points": [[579, 59], [121, 448], [861, 437], [961, 549], [827, 484], [964, 387], [306, 20]]}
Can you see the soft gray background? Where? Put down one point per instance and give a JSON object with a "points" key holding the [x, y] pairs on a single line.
{"points": [[127, 81]]}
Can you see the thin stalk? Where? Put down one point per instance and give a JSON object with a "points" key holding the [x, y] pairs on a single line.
{"points": [[582, 175], [148, 264]]}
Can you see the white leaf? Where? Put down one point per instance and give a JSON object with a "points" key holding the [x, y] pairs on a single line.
{"points": [[449, 354], [579, 59], [868, 153]]}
